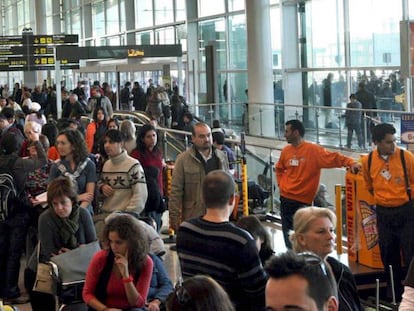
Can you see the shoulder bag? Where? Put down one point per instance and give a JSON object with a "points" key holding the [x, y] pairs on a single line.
{"points": [[45, 281]]}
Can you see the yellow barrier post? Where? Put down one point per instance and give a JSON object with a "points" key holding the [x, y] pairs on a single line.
{"points": [[338, 206]]}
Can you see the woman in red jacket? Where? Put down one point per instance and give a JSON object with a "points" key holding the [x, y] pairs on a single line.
{"points": [[118, 278]]}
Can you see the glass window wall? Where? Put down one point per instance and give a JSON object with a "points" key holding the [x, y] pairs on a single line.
{"points": [[236, 5], [112, 17], [324, 36], [212, 32], [145, 37], [375, 38], [143, 16], [275, 33], [98, 19], [237, 42], [76, 22], [164, 36], [180, 14], [164, 12], [205, 7]]}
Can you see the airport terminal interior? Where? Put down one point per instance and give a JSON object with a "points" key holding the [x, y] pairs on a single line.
{"points": [[250, 64]]}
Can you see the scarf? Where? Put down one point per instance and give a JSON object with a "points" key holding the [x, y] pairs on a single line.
{"points": [[68, 227]]}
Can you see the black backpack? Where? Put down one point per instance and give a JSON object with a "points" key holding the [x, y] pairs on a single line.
{"points": [[7, 195], [155, 201]]}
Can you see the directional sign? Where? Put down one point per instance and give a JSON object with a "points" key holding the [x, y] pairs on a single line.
{"points": [[34, 52], [11, 40], [118, 52], [54, 39], [14, 51]]}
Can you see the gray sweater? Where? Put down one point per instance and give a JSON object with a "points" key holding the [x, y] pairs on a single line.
{"points": [[50, 239]]}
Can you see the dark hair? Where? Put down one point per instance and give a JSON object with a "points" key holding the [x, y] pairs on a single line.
{"points": [[8, 143], [95, 114], [218, 187], [61, 187], [75, 138], [115, 136], [352, 96], [188, 115], [8, 112], [129, 230], [321, 284], [199, 293], [253, 225], [381, 130], [141, 135], [114, 121], [296, 125], [51, 131], [218, 137]]}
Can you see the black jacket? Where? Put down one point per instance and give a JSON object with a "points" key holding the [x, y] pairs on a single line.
{"points": [[347, 290]]}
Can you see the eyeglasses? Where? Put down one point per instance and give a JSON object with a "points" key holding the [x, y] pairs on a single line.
{"points": [[314, 260]]}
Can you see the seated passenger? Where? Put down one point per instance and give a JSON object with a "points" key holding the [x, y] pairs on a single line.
{"points": [[64, 226], [119, 276], [300, 282], [199, 293], [314, 231], [160, 286]]}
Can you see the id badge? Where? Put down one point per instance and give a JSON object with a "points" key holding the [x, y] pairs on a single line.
{"points": [[386, 174], [294, 162]]}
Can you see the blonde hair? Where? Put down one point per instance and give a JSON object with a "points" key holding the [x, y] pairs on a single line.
{"points": [[302, 220], [32, 126]]}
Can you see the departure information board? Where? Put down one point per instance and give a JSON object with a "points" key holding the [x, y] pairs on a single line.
{"points": [[30, 52]]}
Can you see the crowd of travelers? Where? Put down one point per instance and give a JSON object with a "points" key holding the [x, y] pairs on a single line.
{"points": [[76, 185]]}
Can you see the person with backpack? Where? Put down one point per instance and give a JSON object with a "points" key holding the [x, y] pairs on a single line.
{"points": [[14, 211], [388, 174]]}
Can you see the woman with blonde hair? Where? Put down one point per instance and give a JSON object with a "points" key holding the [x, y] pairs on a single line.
{"points": [[128, 128], [313, 230]]}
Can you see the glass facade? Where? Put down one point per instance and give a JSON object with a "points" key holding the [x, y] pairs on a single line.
{"points": [[352, 40]]}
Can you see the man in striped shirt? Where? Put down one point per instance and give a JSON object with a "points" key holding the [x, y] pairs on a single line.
{"points": [[213, 246]]}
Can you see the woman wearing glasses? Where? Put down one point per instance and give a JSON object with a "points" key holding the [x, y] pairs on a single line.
{"points": [[314, 231]]}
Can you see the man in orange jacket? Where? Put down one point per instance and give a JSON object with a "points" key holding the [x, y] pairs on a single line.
{"points": [[389, 175], [298, 172]]}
